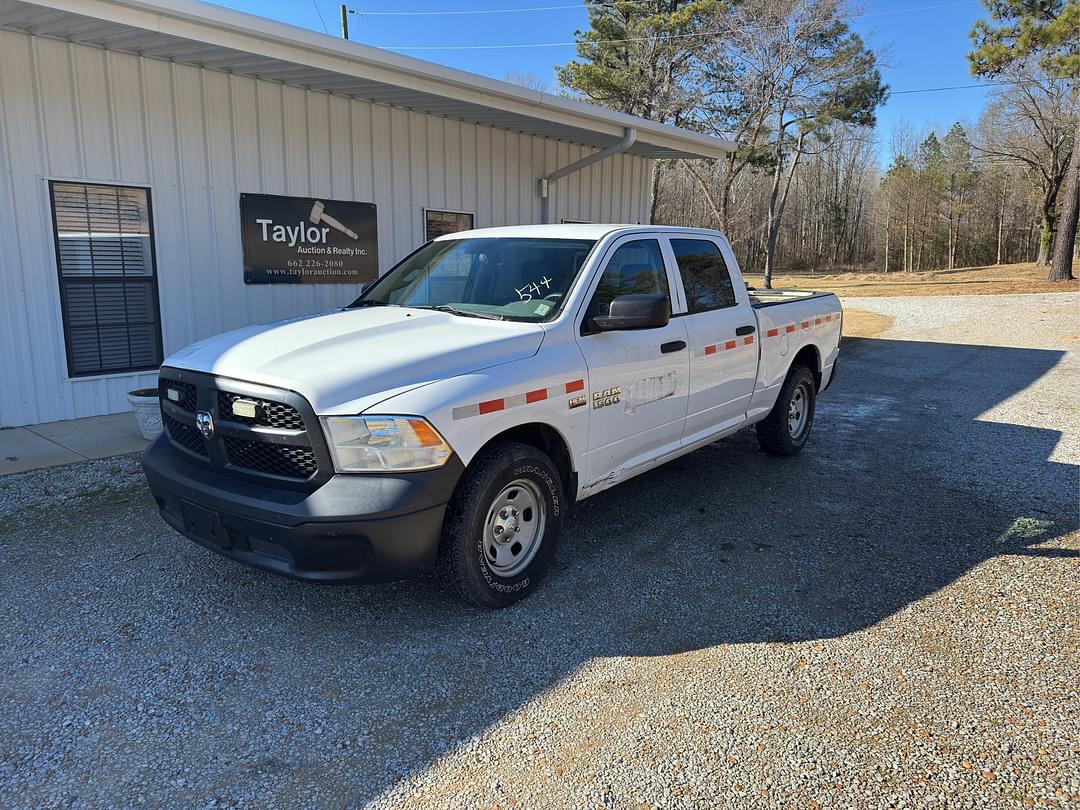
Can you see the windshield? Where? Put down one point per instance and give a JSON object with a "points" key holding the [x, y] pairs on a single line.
{"points": [[504, 278]]}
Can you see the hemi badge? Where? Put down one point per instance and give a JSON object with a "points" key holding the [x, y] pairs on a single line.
{"points": [[173, 394], [244, 407]]}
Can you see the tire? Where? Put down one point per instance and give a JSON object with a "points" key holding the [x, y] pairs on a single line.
{"points": [[781, 433], [510, 495]]}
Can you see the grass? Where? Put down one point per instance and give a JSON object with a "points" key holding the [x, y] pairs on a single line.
{"points": [[859, 323], [990, 280]]}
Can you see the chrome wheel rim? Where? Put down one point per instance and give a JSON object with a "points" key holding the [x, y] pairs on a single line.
{"points": [[798, 411], [514, 528]]}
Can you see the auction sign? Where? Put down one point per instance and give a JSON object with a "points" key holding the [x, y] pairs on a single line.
{"points": [[305, 240]]}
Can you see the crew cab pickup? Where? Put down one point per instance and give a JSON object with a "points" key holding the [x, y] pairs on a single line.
{"points": [[448, 417]]}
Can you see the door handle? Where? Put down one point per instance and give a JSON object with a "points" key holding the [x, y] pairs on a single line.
{"points": [[745, 330], [672, 346]]}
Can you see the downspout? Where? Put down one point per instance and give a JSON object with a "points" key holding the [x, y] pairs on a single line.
{"points": [[543, 186]]}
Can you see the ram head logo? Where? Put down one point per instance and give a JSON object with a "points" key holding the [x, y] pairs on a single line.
{"points": [[204, 421]]}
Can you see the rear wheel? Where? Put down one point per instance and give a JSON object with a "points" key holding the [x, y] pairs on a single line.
{"points": [[785, 430], [503, 525]]}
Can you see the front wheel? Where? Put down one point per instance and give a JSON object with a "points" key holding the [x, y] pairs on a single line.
{"points": [[503, 526], [785, 430]]}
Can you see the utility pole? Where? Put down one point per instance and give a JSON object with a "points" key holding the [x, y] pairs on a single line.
{"points": [[344, 21]]}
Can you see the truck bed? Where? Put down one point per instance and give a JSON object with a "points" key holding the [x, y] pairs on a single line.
{"points": [[772, 298]]}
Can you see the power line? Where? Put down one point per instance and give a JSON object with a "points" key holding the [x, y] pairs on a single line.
{"points": [[587, 4], [637, 39], [511, 46], [952, 87], [317, 11], [463, 11]]}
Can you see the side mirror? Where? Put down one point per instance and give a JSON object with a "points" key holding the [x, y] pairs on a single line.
{"points": [[634, 311]]}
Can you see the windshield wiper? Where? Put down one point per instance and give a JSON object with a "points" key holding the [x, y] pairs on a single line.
{"points": [[367, 302], [489, 316]]}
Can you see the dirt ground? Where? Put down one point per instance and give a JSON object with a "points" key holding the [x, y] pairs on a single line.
{"points": [[993, 279]]}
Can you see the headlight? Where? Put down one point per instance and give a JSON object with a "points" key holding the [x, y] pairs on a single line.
{"points": [[384, 443]]}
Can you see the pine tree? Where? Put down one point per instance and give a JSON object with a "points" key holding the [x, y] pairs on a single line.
{"points": [[960, 177], [1045, 30], [643, 58]]}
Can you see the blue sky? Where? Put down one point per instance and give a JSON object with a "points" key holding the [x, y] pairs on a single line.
{"points": [[925, 41]]}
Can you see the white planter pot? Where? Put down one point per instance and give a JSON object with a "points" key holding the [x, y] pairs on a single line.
{"points": [[147, 412]]}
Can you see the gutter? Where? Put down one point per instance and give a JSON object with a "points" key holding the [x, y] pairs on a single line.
{"points": [[543, 186]]}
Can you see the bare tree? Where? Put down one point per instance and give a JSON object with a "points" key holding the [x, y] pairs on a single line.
{"points": [[529, 81], [1031, 124], [783, 72]]}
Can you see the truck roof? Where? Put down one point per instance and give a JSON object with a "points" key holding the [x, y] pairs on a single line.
{"points": [[565, 231]]}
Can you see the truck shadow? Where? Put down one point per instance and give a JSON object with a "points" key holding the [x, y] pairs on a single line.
{"points": [[903, 489], [906, 485]]}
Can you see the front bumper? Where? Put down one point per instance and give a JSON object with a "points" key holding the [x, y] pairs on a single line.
{"points": [[352, 528]]}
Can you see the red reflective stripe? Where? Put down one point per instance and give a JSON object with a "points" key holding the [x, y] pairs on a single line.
{"points": [[748, 340], [772, 333], [731, 344], [491, 406], [536, 396], [576, 385], [710, 350], [806, 324], [817, 321], [789, 328]]}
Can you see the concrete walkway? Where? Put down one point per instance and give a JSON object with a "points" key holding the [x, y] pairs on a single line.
{"points": [[55, 443]]}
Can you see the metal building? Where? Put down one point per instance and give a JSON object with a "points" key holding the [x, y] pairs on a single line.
{"points": [[135, 134]]}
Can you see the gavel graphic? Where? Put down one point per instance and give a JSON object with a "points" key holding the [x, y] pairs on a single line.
{"points": [[318, 214]]}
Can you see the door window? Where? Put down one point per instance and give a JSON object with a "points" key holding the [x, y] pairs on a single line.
{"points": [[635, 267], [705, 275]]}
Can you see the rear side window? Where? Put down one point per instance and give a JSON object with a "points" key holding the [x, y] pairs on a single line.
{"points": [[635, 267], [704, 273]]}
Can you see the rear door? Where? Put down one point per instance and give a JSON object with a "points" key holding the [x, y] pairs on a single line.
{"points": [[638, 379], [722, 335]]}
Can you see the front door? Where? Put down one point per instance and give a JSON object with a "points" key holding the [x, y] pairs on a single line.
{"points": [[638, 379]]}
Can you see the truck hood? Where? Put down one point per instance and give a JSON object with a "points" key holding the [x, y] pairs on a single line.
{"points": [[346, 361]]}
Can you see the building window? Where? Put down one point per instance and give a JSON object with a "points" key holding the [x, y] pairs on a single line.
{"points": [[440, 223], [108, 285]]}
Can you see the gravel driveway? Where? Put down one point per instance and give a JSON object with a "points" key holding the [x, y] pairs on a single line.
{"points": [[890, 619]]}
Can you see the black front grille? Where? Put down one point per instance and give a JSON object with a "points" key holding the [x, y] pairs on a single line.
{"points": [[275, 459], [185, 436], [282, 440], [267, 412]]}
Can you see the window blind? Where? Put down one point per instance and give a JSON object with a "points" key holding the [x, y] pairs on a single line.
{"points": [[108, 292]]}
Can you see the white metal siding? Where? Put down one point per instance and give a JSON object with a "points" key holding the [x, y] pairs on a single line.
{"points": [[198, 138]]}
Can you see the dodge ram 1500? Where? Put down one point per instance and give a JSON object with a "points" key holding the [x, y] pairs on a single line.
{"points": [[448, 417]]}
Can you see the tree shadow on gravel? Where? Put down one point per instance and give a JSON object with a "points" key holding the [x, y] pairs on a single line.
{"points": [[271, 689]]}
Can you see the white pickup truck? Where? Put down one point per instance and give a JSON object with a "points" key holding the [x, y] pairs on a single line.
{"points": [[448, 417]]}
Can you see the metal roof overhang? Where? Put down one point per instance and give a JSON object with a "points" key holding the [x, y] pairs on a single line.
{"points": [[201, 34]]}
